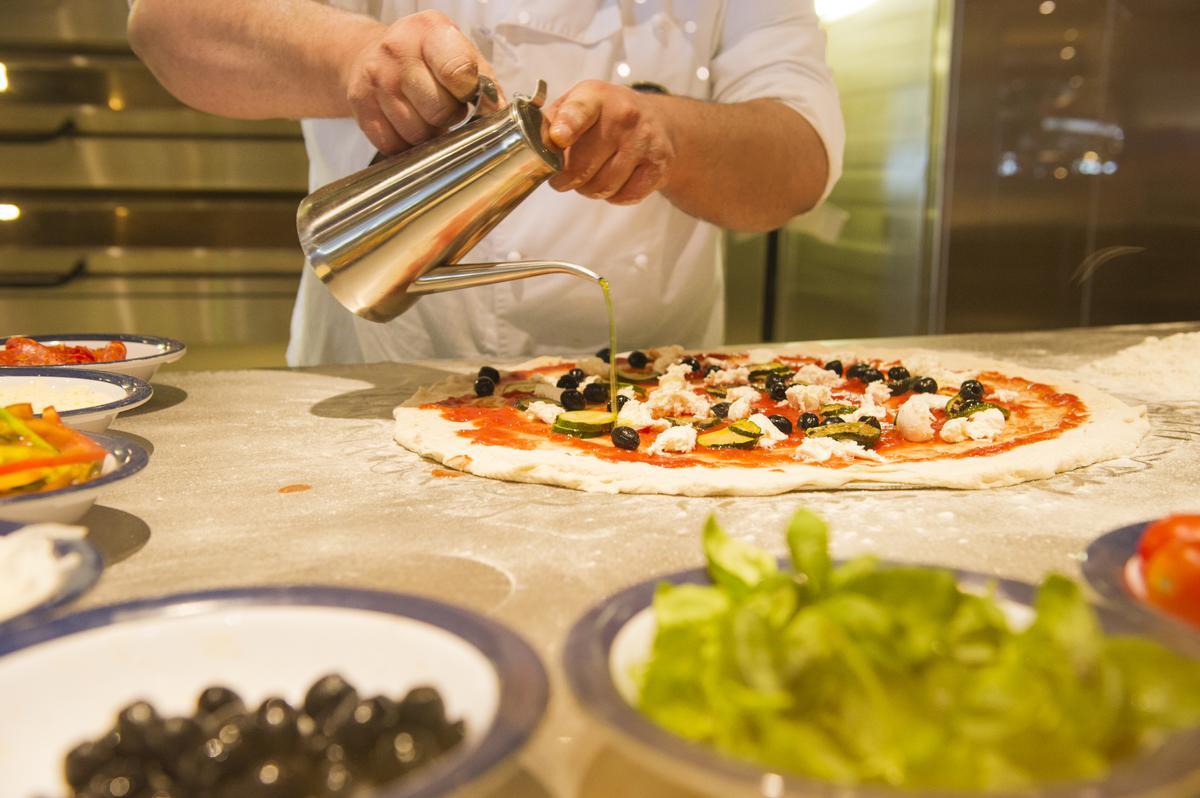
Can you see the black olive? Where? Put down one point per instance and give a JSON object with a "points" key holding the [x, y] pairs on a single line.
{"points": [[423, 706], [638, 359], [572, 399], [710, 368], [626, 438], [720, 409], [395, 754], [898, 373], [135, 724], [871, 374], [334, 780], [604, 354], [490, 373], [451, 734], [874, 422], [219, 702], [925, 385], [855, 371], [276, 726], [578, 374], [272, 777], [621, 400], [326, 694], [174, 738], [484, 386], [971, 390], [808, 420], [778, 393], [898, 387], [835, 366], [567, 381], [691, 361], [774, 379], [595, 392], [83, 762], [782, 423], [832, 420], [225, 752], [358, 730], [118, 778]]}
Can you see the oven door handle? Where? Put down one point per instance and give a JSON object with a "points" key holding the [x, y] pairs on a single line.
{"points": [[65, 129], [38, 280]]}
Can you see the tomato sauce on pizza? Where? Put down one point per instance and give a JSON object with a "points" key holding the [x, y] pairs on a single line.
{"points": [[676, 410]]}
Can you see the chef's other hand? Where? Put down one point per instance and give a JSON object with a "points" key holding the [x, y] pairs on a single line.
{"points": [[616, 142], [413, 80]]}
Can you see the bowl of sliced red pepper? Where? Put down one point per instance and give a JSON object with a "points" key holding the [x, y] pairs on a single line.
{"points": [[51, 472]]}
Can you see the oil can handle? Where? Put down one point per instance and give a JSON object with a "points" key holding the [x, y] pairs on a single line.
{"points": [[484, 100]]}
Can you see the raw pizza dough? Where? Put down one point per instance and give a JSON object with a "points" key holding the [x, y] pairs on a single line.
{"points": [[1111, 430]]}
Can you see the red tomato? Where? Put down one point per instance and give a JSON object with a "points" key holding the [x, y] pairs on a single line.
{"points": [[1173, 580], [1185, 528]]}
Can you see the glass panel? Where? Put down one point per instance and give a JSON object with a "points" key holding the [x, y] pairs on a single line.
{"points": [[870, 279], [1074, 196]]}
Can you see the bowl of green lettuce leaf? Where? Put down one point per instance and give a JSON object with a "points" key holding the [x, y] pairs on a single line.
{"points": [[806, 677]]}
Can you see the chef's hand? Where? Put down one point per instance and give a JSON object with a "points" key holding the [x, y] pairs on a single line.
{"points": [[616, 141], [410, 82]]}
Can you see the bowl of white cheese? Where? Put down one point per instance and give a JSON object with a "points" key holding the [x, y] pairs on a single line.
{"points": [[86, 400], [42, 568]]}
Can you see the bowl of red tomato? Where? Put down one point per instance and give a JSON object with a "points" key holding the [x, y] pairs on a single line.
{"points": [[1154, 566]]}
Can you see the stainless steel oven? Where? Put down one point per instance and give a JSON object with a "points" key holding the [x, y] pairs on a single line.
{"points": [[123, 210]]}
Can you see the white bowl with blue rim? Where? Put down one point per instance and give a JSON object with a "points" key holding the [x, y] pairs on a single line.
{"points": [[63, 682], [86, 400], [80, 565], [144, 354], [611, 640], [67, 505]]}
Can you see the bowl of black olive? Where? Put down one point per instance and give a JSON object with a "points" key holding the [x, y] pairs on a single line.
{"points": [[282, 692]]}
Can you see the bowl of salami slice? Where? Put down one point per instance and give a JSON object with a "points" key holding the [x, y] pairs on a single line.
{"points": [[135, 355]]}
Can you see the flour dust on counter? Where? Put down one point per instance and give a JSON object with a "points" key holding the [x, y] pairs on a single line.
{"points": [[1157, 369]]}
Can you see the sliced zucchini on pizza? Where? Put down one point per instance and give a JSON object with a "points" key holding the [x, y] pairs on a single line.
{"points": [[584, 423], [860, 432]]}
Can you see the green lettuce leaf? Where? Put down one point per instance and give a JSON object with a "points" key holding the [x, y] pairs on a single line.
{"points": [[733, 565]]}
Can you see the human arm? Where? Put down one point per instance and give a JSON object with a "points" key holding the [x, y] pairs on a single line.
{"points": [[744, 166], [257, 59]]}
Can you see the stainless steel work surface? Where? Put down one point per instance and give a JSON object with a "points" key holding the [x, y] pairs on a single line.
{"points": [[209, 512]]}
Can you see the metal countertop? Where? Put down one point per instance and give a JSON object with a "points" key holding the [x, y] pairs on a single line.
{"points": [[208, 513]]}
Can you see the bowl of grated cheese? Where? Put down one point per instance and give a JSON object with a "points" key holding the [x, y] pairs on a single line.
{"points": [[86, 400]]}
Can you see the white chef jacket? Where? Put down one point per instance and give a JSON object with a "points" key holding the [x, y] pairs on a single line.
{"points": [[664, 266]]}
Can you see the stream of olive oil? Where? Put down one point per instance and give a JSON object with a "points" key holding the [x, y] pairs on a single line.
{"points": [[612, 348]]}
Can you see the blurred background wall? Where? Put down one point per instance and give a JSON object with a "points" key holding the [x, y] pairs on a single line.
{"points": [[1011, 164]]}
